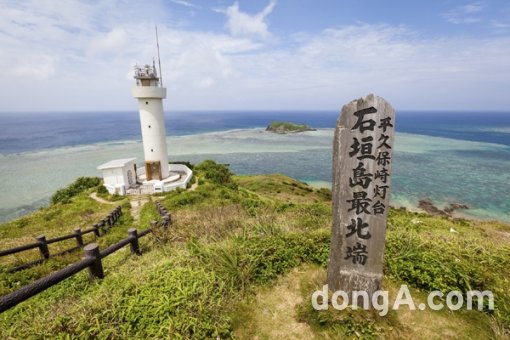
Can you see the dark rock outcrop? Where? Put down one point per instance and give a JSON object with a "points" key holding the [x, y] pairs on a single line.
{"points": [[429, 207]]}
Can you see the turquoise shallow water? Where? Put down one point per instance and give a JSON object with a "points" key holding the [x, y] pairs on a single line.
{"points": [[444, 169]]}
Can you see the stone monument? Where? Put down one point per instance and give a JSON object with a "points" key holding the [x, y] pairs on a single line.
{"points": [[362, 160]]}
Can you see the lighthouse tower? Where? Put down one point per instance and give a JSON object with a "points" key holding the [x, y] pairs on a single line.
{"points": [[150, 97], [120, 175]]}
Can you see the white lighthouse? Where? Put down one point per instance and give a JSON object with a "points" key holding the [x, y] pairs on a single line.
{"points": [[156, 175], [150, 97]]}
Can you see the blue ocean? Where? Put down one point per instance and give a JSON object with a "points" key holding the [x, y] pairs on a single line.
{"points": [[449, 157]]}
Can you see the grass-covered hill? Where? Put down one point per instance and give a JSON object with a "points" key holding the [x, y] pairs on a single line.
{"points": [[241, 260]]}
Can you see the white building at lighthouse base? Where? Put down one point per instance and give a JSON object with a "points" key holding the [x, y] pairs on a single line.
{"points": [[122, 176], [178, 177], [119, 175]]}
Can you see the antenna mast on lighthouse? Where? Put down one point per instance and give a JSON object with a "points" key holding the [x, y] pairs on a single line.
{"points": [[159, 59]]}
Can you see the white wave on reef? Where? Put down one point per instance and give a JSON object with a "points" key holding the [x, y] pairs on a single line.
{"points": [[412, 143], [31, 176], [249, 141], [497, 130], [424, 165]]}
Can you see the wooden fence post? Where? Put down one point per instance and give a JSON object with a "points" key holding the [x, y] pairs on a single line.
{"points": [[79, 237], [43, 246], [96, 229], [134, 242], [104, 225], [96, 268], [166, 221]]}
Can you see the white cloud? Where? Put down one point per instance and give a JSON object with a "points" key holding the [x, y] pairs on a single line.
{"points": [[38, 67], [467, 14], [78, 58], [499, 25], [243, 24], [185, 3], [205, 83], [471, 8], [113, 41], [340, 64]]}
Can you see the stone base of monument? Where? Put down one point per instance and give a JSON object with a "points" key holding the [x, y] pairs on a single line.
{"points": [[354, 281]]}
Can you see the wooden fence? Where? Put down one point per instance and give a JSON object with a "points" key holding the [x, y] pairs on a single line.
{"points": [[42, 243], [91, 260], [166, 216]]}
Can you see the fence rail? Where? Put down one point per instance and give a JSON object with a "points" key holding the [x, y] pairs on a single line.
{"points": [[166, 216], [91, 260], [42, 243], [18, 249]]}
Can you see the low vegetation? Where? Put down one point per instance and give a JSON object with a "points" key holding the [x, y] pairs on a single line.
{"points": [[244, 251], [288, 127], [78, 210], [79, 186]]}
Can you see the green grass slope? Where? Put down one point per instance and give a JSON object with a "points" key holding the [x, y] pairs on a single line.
{"points": [[73, 209], [234, 239]]}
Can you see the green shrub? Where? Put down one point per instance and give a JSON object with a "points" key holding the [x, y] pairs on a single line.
{"points": [[325, 193], [191, 182], [216, 173], [188, 164], [426, 255], [78, 186], [252, 206], [261, 259], [116, 197], [102, 191]]}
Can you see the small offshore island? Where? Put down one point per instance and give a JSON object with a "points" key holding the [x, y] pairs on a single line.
{"points": [[288, 127]]}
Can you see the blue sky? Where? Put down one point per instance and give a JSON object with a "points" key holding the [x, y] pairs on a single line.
{"points": [[275, 54]]}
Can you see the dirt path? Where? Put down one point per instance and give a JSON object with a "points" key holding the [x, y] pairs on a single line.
{"points": [[99, 199], [194, 185], [137, 203], [273, 314]]}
